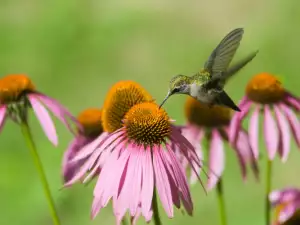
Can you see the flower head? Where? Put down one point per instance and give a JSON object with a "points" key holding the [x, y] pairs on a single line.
{"points": [[119, 99], [213, 123], [266, 95], [140, 157], [287, 206], [17, 94], [91, 127]]}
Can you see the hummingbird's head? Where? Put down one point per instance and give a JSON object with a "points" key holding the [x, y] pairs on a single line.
{"points": [[180, 84]]}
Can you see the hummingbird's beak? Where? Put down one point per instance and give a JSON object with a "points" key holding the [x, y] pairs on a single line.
{"points": [[166, 98]]}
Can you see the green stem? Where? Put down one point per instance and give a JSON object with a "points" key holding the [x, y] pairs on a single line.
{"points": [[31, 145], [156, 217], [221, 201], [124, 221], [268, 190]]}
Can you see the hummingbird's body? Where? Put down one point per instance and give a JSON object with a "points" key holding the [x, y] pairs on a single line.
{"points": [[207, 85]]}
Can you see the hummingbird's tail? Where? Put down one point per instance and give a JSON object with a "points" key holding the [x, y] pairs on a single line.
{"points": [[239, 65], [225, 100]]}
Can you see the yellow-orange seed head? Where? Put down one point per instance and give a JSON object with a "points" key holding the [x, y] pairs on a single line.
{"points": [[13, 86], [265, 88], [120, 98], [91, 121], [147, 124], [205, 116]]}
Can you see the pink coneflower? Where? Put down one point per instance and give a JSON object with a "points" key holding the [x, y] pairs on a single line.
{"points": [[91, 128], [141, 158], [286, 203], [17, 94], [119, 99], [213, 123], [265, 94]]}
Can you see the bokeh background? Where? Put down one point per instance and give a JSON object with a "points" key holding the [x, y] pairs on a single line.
{"points": [[74, 50]]}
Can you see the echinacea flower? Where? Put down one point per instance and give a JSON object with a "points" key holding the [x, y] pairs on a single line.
{"points": [[141, 157], [213, 123], [286, 203], [265, 94], [91, 127], [17, 94], [119, 99]]}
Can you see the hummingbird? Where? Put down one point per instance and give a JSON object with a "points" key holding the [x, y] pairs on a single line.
{"points": [[207, 85]]}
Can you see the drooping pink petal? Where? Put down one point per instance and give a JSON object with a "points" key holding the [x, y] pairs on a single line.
{"points": [[245, 154], [189, 157], [58, 110], [181, 181], [270, 132], [194, 135], [187, 150], [112, 186], [108, 181], [148, 182], [254, 132], [69, 168], [44, 118], [182, 140], [162, 182], [288, 211], [293, 121], [2, 115], [172, 179], [216, 159], [293, 101], [105, 139], [125, 198], [286, 195], [284, 134], [235, 124]]}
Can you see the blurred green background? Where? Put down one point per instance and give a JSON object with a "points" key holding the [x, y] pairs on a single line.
{"points": [[75, 50]]}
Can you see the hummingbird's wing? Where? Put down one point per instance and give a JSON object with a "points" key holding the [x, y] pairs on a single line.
{"points": [[222, 55]]}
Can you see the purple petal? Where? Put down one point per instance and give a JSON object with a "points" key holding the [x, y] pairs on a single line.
{"points": [[284, 134], [246, 154], [127, 198], [44, 118], [148, 182], [181, 181], [59, 111], [288, 211], [293, 121], [293, 101], [216, 159], [2, 116], [162, 182], [278, 197], [235, 124], [69, 168], [270, 132], [253, 131]]}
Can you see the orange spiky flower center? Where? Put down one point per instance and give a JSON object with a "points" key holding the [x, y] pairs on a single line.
{"points": [[205, 116], [120, 98], [91, 121], [13, 86], [147, 124], [265, 88]]}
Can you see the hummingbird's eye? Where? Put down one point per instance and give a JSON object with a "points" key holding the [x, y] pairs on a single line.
{"points": [[176, 89]]}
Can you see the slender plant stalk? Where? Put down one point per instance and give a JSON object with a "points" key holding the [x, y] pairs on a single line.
{"points": [[31, 145], [124, 221], [268, 190], [221, 201], [156, 217]]}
